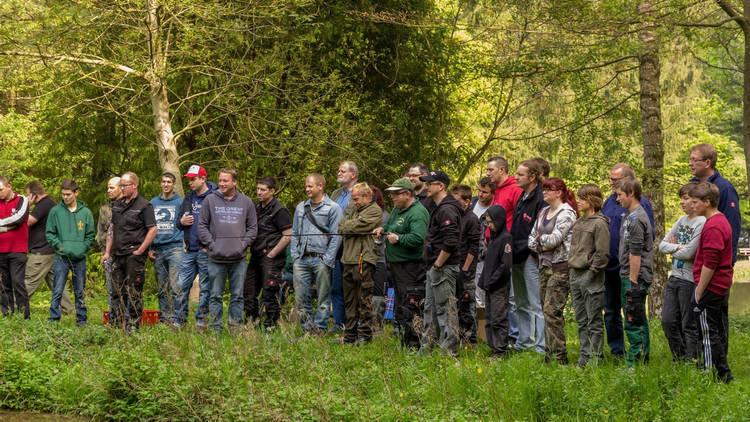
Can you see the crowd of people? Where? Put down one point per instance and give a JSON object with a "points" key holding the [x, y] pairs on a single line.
{"points": [[517, 246]]}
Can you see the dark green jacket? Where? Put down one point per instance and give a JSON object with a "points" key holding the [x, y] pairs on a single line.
{"points": [[411, 227], [71, 233], [360, 220]]}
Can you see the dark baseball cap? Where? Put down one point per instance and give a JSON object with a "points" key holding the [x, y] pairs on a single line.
{"points": [[436, 176]]}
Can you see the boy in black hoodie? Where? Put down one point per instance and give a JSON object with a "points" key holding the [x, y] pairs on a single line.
{"points": [[495, 280]]}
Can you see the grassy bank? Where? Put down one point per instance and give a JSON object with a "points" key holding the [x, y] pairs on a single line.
{"points": [[159, 374]]}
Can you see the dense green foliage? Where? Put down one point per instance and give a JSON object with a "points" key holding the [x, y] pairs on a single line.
{"points": [[160, 374]]}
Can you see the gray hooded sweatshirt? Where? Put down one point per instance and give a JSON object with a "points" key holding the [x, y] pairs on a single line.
{"points": [[227, 226]]}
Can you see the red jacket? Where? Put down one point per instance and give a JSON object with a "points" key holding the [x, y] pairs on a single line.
{"points": [[13, 217], [715, 252], [507, 195]]}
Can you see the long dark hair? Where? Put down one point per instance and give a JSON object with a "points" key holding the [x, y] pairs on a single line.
{"points": [[566, 195]]}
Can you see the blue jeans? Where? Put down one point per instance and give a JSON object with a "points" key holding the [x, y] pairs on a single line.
{"points": [[167, 264], [337, 295], [193, 263], [309, 270], [61, 267], [217, 275], [529, 315]]}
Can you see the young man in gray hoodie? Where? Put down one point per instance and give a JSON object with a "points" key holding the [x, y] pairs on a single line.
{"points": [[228, 226]]}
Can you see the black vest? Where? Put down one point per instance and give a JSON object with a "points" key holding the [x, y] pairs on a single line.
{"points": [[268, 234]]}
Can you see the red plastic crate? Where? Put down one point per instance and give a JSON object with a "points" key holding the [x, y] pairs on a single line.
{"points": [[149, 317]]}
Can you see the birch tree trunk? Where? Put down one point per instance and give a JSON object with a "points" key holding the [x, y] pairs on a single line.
{"points": [[653, 145], [165, 139]]}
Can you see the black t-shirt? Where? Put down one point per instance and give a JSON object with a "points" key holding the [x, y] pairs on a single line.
{"points": [[130, 222], [37, 239]]}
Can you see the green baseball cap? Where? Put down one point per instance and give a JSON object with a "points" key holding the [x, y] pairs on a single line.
{"points": [[401, 184]]}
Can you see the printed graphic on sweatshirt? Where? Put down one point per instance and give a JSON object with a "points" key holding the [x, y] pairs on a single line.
{"points": [[228, 215], [684, 236], [166, 215]]}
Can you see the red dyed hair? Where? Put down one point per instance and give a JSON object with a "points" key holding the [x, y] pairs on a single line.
{"points": [[566, 195]]}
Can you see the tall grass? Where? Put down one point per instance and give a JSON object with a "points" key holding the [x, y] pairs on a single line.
{"points": [[161, 374]]}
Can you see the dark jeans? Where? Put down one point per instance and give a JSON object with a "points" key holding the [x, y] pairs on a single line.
{"points": [[13, 294], [708, 316], [63, 266], [358, 286], [467, 323], [497, 304], [337, 295], [613, 312], [127, 290], [263, 275], [677, 319], [409, 281]]}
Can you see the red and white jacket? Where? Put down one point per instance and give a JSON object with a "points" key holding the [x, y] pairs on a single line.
{"points": [[14, 228]]}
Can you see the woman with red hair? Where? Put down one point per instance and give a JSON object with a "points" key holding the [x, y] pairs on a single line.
{"points": [[550, 238]]}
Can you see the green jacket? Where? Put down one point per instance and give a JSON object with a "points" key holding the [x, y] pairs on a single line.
{"points": [[410, 225], [360, 220], [70, 233]]}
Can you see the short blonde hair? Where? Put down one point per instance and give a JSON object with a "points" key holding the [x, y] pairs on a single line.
{"points": [[364, 188]]}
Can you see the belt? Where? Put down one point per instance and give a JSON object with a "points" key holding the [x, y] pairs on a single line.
{"points": [[312, 255]]}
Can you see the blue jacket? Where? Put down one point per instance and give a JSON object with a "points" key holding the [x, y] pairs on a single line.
{"points": [[615, 213], [192, 205], [729, 205], [328, 214], [167, 212]]}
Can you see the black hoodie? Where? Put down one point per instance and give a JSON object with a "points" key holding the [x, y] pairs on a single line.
{"points": [[444, 232], [499, 259], [524, 217]]}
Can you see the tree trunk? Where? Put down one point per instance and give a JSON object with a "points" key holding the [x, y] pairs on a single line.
{"points": [[746, 90], [653, 146], [165, 139]]}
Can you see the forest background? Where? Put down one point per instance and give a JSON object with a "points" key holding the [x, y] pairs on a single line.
{"points": [[92, 88]]}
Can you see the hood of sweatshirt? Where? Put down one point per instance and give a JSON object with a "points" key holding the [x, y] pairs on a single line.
{"points": [[497, 214]]}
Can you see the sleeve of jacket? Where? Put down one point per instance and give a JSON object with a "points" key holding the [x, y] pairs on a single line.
{"points": [[294, 252], [563, 224], [504, 266], [101, 229], [687, 253], [50, 231], [474, 234], [417, 231], [184, 208], [646, 204], [88, 238], [204, 234], [729, 205], [251, 225], [600, 258], [17, 218], [452, 231], [713, 247], [667, 247], [533, 244], [334, 218], [366, 221]]}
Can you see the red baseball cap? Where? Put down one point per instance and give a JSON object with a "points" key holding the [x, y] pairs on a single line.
{"points": [[196, 171]]}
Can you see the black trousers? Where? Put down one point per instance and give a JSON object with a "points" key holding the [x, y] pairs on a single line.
{"points": [[712, 334], [496, 304], [128, 276], [465, 294], [409, 281], [263, 275], [13, 296], [677, 319]]}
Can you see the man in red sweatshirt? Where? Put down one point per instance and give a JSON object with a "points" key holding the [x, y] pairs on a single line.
{"points": [[712, 273], [14, 242], [507, 192]]}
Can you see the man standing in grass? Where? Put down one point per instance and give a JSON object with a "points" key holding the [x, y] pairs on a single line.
{"points": [[168, 246], [441, 252], [102, 230], [712, 272], [133, 229], [14, 243], [70, 231], [404, 234], [468, 252], [227, 228], [636, 269]]}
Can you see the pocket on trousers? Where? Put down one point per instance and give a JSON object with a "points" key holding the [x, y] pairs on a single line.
{"points": [[594, 282]]}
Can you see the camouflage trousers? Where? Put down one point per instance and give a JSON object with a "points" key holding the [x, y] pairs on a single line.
{"points": [[358, 286], [553, 288], [440, 310]]}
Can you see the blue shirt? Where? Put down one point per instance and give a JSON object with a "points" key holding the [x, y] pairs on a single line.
{"points": [[167, 212], [615, 213], [729, 205]]}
